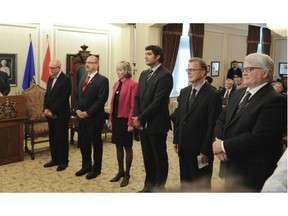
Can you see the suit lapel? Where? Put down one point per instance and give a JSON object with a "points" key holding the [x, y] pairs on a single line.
{"points": [[252, 102], [198, 99]]}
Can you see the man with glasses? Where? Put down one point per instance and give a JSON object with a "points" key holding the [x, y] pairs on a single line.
{"points": [[199, 106], [57, 110], [249, 131], [92, 94]]}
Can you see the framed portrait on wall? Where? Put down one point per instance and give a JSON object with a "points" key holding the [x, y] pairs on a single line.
{"points": [[282, 68], [8, 65], [215, 68]]}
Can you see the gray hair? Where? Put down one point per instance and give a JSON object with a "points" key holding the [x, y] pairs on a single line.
{"points": [[264, 61]]}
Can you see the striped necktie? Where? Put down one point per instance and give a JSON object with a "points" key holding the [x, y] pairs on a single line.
{"points": [[244, 102], [85, 83]]}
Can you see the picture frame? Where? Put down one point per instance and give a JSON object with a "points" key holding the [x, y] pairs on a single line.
{"points": [[215, 68], [8, 64], [282, 69]]}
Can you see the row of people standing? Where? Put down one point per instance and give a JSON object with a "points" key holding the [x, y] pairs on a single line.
{"points": [[245, 142]]}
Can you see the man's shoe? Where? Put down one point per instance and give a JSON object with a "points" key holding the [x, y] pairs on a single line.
{"points": [[117, 177], [145, 190], [83, 171], [62, 167], [125, 181], [92, 175], [50, 164]]}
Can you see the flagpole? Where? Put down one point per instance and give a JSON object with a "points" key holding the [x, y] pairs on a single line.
{"points": [[30, 37]]}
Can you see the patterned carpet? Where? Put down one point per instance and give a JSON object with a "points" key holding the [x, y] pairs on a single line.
{"points": [[30, 175]]}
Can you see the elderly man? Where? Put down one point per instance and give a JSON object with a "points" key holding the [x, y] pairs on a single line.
{"points": [[248, 132]]}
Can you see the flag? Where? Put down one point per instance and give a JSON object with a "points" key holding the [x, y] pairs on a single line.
{"points": [[45, 68], [29, 74]]}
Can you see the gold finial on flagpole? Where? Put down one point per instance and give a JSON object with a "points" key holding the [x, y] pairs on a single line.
{"points": [[30, 37]]}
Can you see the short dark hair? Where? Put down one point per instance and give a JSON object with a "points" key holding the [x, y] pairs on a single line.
{"points": [[157, 50]]}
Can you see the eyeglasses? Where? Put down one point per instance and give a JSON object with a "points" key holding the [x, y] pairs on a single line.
{"points": [[250, 69], [87, 62], [52, 68], [189, 70]]}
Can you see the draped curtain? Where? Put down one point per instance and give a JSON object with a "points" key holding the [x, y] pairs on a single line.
{"points": [[253, 39], [170, 44], [266, 40], [196, 37]]}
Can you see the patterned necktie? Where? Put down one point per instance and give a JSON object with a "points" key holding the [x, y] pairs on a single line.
{"points": [[85, 83], [244, 102], [191, 98], [149, 75]]}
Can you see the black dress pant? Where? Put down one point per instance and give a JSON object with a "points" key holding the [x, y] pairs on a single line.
{"points": [[155, 158]]}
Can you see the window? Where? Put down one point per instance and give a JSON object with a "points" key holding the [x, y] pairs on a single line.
{"points": [[179, 75], [259, 48]]}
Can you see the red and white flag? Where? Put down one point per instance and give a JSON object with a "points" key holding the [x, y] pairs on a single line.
{"points": [[45, 69]]}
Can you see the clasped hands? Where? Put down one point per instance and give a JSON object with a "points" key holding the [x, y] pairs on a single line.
{"points": [[217, 150], [82, 114], [137, 123]]}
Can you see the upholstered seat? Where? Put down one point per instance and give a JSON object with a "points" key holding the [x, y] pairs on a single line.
{"points": [[36, 124]]}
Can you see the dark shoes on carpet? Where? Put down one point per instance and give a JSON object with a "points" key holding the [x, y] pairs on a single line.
{"points": [[117, 177], [83, 171], [125, 181], [50, 164], [62, 167], [92, 175]]}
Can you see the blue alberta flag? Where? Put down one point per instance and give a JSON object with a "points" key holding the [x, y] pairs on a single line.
{"points": [[29, 74]]}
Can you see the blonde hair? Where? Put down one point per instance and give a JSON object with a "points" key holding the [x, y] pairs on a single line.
{"points": [[127, 67]]}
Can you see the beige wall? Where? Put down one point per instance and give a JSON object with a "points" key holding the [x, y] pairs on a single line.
{"points": [[116, 42]]}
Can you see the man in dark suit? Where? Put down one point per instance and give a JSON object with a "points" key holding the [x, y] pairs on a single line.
{"points": [[227, 91], [249, 131], [92, 94], [151, 117], [199, 106], [4, 84], [57, 110], [234, 70]]}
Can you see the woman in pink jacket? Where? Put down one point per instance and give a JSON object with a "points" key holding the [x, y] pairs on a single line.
{"points": [[120, 119]]}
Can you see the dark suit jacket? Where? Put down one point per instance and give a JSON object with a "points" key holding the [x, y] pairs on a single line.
{"points": [[4, 83], [152, 99], [231, 73], [194, 128], [93, 100], [252, 138], [57, 100], [223, 91]]}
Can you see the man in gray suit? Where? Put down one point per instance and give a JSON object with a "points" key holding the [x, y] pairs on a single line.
{"points": [[249, 131], [199, 106], [151, 117]]}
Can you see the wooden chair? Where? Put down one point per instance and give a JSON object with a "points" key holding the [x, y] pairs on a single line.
{"points": [[36, 124], [76, 71]]}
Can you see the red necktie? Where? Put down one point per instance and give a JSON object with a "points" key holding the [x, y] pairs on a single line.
{"points": [[85, 83]]}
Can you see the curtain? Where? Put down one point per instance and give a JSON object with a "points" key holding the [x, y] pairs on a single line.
{"points": [[253, 39], [266, 40], [170, 44], [196, 36]]}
